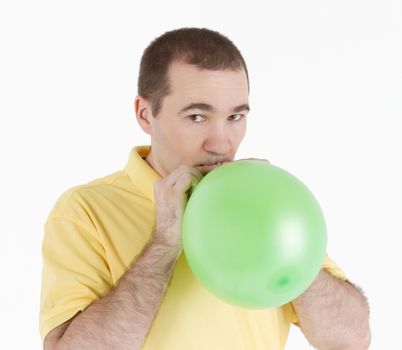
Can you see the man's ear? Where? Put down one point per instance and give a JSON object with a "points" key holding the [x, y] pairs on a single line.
{"points": [[143, 113]]}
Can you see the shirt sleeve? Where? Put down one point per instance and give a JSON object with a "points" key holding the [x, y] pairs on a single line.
{"points": [[75, 271], [331, 267]]}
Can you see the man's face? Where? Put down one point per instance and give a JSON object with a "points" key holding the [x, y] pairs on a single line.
{"points": [[199, 135]]}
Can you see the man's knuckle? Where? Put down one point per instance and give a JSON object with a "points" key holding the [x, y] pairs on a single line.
{"points": [[186, 177]]}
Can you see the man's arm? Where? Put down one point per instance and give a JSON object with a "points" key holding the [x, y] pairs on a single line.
{"points": [[333, 314], [121, 319]]}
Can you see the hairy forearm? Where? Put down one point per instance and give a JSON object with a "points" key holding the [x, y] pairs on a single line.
{"points": [[121, 319], [333, 314]]}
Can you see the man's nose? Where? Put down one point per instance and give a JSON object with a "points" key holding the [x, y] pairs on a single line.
{"points": [[217, 141]]}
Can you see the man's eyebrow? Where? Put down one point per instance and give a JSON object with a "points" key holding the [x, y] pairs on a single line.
{"points": [[208, 108]]}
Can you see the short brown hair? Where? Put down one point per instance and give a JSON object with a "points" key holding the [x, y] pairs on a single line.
{"points": [[205, 48]]}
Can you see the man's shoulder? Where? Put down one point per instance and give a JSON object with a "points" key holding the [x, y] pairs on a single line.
{"points": [[83, 197]]}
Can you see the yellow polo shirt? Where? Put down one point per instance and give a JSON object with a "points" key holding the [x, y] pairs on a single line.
{"points": [[96, 231]]}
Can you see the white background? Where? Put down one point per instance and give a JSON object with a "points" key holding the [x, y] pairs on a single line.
{"points": [[326, 84]]}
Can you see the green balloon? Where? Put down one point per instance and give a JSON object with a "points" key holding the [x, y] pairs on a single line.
{"points": [[253, 234]]}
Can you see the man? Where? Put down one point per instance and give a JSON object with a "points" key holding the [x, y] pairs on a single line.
{"points": [[114, 275]]}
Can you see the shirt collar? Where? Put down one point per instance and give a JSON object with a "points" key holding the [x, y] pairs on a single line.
{"points": [[141, 174]]}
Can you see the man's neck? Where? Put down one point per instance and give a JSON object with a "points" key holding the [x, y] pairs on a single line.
{"points": [[151, 162]]}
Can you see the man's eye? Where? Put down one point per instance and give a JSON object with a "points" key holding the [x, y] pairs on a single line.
{"points": [[194, 116], [237, 115]]}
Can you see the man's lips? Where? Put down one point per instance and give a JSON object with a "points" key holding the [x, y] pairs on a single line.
{"points": [[210, 164], [206, 167]]}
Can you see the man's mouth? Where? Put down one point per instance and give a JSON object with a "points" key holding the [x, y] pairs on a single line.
{"points": [[204, 168], [211, 164]]}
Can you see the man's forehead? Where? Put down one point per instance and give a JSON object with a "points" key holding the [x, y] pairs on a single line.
{"points": [[192, 88]]}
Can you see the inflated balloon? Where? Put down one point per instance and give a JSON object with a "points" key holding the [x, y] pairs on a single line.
{"points": [[253, 234]]}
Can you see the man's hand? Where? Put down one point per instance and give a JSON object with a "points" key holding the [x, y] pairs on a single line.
{"points": [[171, 196]]}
